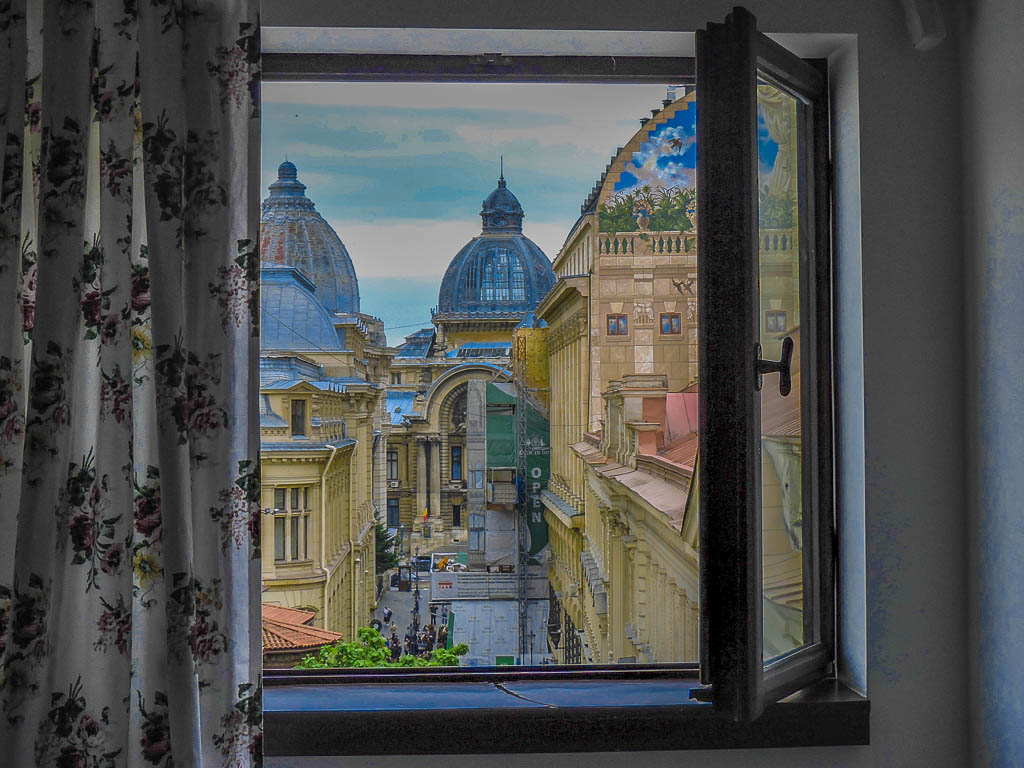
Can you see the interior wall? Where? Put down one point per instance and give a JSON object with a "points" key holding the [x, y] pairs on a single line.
{"points": [[993, 107], [902, 309]]}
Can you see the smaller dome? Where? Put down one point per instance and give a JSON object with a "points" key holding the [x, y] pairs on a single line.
{"points": [[501, 210], [293, 234]]}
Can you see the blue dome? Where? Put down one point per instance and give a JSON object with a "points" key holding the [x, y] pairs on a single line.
{"points": [[500, 272], [291, 317], [293, 234]]}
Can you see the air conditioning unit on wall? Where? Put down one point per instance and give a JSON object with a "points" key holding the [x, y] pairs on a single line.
{"points": [[394, 483]]}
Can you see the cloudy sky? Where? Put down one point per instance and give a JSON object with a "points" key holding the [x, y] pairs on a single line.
{"points": [[400, 169]]}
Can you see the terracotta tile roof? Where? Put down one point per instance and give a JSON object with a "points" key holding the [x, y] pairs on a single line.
{"points": [[288, 636], [287, 615]]}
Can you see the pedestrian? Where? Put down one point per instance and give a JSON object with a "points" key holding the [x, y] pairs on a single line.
{"points": [[387, 615]]}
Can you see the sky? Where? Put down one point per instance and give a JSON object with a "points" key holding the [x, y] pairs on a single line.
{"points": [[400, 169]]}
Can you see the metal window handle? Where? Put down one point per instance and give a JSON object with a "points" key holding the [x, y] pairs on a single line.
{"points": [[781, 367]]}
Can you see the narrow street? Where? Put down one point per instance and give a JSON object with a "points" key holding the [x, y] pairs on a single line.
{"points": [[401, 604]]}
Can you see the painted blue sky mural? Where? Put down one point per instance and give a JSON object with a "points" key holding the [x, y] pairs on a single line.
{"points": [[668, 158]]}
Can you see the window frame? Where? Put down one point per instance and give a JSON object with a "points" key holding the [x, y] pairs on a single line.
{"points": [[621, 324], [675, 328], [828, 713]]}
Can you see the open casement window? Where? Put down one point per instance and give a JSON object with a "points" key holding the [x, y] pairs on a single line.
{"points": [[764, 467], [765, 395]]}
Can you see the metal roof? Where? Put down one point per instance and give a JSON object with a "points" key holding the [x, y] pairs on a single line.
{"points": [[399, 405]]}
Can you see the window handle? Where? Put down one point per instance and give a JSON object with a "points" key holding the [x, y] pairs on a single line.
{"points": [[781, 367]]}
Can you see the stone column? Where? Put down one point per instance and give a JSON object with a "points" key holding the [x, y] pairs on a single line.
{"points": [[435, 484], [421, 484]]}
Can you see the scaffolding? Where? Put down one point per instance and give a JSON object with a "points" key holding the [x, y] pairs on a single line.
{"points": [[522, 499]]}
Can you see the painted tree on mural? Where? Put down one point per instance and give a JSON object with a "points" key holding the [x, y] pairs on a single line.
{"points": [[666, 209]]}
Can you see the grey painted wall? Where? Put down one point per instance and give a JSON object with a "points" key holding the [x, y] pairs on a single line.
{"points": [[902, 309], [993, 106]]}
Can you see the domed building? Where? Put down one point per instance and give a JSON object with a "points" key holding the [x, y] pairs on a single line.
{"points": [[293, 233], [323, 365], [489, 290], [495, 280]]}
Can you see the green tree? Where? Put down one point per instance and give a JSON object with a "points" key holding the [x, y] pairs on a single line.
{"points": [[387, 558], [370, 650]]}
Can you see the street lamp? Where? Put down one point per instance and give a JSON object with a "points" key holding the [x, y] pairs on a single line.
{"points": [[533, 636]]}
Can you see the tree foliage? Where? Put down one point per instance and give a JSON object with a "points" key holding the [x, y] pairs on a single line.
{"points": [[386, 558], [370, 650]]}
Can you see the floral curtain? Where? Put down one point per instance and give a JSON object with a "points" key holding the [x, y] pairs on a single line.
{"points": [[129, 484]]}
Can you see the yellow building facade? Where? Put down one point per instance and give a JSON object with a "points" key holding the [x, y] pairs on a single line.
{"points": [[621, 505], [323, 369]]}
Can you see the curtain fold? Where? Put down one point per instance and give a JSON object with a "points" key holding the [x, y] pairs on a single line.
{"points": [[129, 481]]}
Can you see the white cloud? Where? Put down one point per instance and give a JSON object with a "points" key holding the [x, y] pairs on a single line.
{"points": [[419, 248]]}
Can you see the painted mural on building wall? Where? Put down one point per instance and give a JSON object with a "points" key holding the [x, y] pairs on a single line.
{"points": [[652, 186]]}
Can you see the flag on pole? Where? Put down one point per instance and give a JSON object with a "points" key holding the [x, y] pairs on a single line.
{"points": [[426, 514]]}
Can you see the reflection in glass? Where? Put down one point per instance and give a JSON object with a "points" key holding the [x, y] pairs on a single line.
{"points": [[781, 416]]}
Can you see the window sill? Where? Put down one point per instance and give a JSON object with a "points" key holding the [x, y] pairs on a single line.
{"points": [[362, 712]]}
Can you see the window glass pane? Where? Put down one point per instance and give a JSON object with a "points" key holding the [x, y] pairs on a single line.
{"points": [[279, 498], [305, 536], [295, 499], [298, 418], [295, 537], [456, 463], [279, 538], [782, 482], [393, 513]]}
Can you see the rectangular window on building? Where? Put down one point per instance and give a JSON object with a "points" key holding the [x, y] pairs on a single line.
{"points": [[476, 531], [396, 378], [775, 322], [671, 322], [296, 499], [392, 464], [298, 418], [456, 516], [456, 462], [279, 538], [617, 325], [279, 494], [305, 536], [295, 538], [394, 511]]}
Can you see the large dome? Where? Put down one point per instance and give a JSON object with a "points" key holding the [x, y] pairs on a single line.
{"points": [[293, 234], [499, 272]]}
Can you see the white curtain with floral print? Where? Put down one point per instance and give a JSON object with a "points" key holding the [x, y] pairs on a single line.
{"points": [[129, 562]]}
